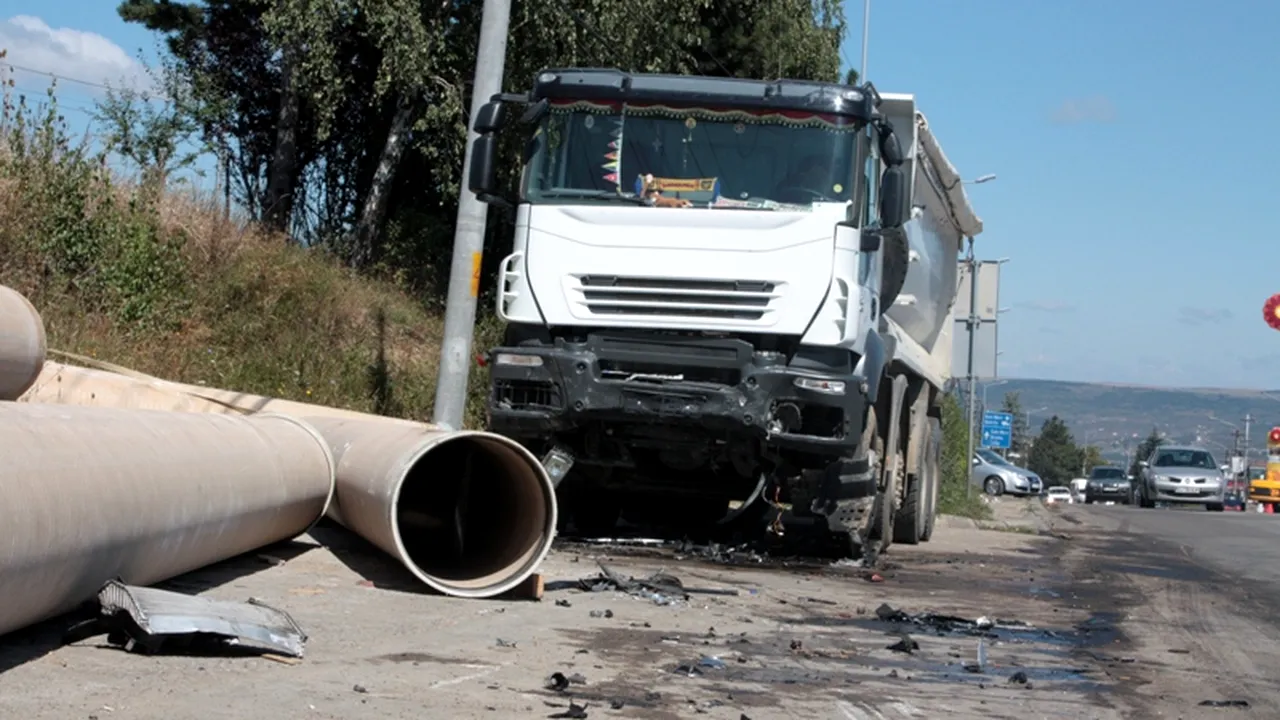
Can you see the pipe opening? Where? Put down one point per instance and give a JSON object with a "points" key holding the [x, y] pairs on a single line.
{"points": [[474, 512]]}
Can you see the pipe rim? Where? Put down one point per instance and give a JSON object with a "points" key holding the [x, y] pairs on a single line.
{"points": [[528, 567], [41, 340], [328, 457]]}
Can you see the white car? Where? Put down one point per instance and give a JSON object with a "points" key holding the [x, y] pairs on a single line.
{"points": [[1058, 494]]}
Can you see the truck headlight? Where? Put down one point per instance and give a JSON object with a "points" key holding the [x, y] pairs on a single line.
{"points": [[518, 360], [830, 387]]}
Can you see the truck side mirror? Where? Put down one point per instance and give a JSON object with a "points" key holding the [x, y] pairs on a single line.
{"points": [[893, 198], [482, 179], [976, 461], [491, 118]]}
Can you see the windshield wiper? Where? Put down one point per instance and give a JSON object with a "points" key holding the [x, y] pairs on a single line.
{"points": [[594, 195]]}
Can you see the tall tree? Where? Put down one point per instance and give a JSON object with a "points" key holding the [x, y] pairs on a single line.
{"points": [[1090, 458], [1148, 445], [1020, 441], [1054, 457]]}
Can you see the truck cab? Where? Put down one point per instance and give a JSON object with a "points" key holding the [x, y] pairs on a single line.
{"points": [[696, 297]]}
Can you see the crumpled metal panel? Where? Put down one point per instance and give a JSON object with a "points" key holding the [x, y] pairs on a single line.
{"points": [[163, 612]]}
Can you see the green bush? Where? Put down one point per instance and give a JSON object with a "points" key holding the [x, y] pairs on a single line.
{"points": [[157, 279], [955, 496]]}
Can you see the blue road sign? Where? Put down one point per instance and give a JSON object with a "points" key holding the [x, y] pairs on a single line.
{"points": [[997, 429]]}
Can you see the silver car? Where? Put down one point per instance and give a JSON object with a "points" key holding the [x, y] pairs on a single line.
{"points": [[1183, 475], [997, 476]]}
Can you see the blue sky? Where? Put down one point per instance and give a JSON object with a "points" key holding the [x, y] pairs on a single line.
{"points": [[1133, 143]]}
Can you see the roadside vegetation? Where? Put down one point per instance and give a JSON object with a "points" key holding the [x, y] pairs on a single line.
{"points": [[955, 497]]}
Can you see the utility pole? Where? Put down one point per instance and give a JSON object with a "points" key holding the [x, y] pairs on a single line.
{"points": [[1248, 420], [468, 236], [866, 32], [972, 322]]}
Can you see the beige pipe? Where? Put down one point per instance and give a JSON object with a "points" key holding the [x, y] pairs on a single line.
{"points": [[22, 344], [471, 514], [392, 476], [90, 494], [121, 387]]}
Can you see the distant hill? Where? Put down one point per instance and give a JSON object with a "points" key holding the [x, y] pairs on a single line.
{"points": [[1105, 414]]}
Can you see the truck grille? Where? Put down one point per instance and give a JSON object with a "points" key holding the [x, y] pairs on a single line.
{"points": [[613, 295]]}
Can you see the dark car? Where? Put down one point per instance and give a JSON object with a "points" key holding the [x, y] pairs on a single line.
{"points": [[1107, 483]]}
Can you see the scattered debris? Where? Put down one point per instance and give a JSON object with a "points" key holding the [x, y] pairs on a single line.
{"points": [[660, 587], [1225, 703], [906, 644], [506, 643], [1018, 678], [563, 603], [948, 624], [601, 613], [558, 682], [575, 711], [150, 620], [360, 689], [1180, 651]]}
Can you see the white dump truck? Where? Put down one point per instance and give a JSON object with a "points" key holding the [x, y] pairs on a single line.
{"points": [[727, 300]]}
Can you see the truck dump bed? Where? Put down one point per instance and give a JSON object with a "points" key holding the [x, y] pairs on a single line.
{"points": [[923, 317]]}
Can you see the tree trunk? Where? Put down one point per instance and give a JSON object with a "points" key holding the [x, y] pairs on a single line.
{"points": [[279, 197], [375, 204]]}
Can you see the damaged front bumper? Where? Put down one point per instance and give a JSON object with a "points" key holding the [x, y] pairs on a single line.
{"points": [[717, 384]]}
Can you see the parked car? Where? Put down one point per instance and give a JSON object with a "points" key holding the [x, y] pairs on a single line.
{"points": [[997, 476], [1107, 483], [1059, 494], [1183, 475]]}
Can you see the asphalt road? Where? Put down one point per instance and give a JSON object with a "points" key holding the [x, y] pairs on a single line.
{"points": [[1197, 593], [1243, 545]]}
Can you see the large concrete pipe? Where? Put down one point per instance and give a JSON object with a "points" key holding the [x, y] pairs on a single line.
{"points": [[91, 494], [60, 384], [471, 514], [120, 387], [22, 344]]}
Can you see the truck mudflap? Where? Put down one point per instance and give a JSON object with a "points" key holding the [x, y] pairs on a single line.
{"points": [[718, 384]]}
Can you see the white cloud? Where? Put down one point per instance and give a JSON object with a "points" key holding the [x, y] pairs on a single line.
{"points": [[68, 53]]}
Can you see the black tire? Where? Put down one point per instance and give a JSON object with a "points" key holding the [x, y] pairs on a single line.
{"points": [[933, 477], [897, 259], [1144, 501], [1214, 507], [908, 527], [993, 486]]}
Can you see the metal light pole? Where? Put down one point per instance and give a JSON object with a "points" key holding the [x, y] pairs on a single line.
{"points": [[988, 386], [866, 27], [972, 323], [468, 238]]}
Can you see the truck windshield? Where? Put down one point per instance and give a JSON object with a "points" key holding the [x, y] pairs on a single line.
{"points": [[1108, 473], [588, 152]]}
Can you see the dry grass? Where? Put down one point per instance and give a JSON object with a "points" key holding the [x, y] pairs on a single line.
{"points": [[162, 283]]}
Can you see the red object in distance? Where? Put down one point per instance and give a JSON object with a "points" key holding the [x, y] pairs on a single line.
{"points": [[1271, 311], [1275, 435]]}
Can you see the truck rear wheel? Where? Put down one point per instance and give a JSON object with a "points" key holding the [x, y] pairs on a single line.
{"points": [[912, 522], [934, 476]]}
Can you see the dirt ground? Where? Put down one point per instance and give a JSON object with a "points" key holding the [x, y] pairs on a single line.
{"points": [[799, 639]]}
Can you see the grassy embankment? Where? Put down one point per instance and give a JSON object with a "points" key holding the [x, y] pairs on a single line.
{"points": [[161, 282]]}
